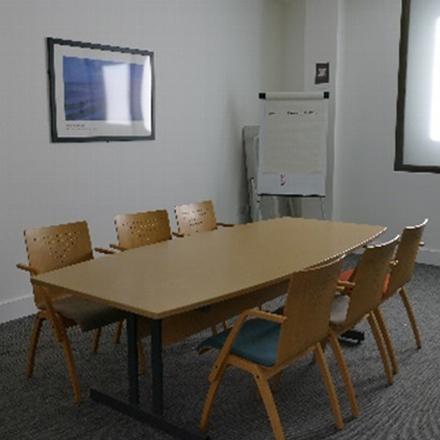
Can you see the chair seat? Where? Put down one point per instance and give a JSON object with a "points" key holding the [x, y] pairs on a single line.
{"points": [[346, 275], [339, 310], [257, 342], [89, 315]]}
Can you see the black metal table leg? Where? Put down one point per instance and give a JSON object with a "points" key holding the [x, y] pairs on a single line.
{"points": [[152, 420], [157, 366], [131, 408], [132, 356]]}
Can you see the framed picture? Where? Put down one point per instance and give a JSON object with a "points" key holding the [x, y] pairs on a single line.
{"points": [[100, 93]]}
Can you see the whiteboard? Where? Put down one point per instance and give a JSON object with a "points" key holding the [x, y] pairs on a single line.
{"points": [[293, 144]]}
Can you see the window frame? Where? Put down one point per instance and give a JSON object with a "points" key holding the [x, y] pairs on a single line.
{"points": [[399, 164]]}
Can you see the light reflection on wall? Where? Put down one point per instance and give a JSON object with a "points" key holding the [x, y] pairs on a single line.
{"points": [[435, 103], [117, 93], [146, 95]]}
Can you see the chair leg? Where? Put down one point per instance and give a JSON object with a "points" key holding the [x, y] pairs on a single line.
{"points": [[118, 333], [331, 391], [61, 335], [381, 346], [269, 404], [225, 325], [207, 408], [387, 339], [203, 350], [412, 319], [340, 359], [323, 346], [36, 330], [96, 339], [70, 363]]}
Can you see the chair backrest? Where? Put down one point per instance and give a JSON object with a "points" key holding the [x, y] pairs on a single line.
{"points": [[371, 272], [143, 228], [53, 247], [195, 217], [307, 308], [406, 256]]}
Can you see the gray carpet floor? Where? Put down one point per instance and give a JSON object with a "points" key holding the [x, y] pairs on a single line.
{"points": [[42, 407]]}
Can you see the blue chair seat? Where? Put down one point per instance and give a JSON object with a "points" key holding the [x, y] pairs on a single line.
{"points": [[257, 342]]}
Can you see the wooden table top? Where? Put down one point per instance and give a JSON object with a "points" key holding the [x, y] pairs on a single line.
{"points": [[183, 274]]}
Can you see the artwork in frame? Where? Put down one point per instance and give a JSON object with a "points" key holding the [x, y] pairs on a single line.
{"points": [[100, 93]]}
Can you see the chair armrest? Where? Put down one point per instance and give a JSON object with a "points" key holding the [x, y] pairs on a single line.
{"points": [[349, 284], [27, 268], [104, 251], [225, 225], [117, 247], [227, 346], [268, 316], [178, 235], [345, 287]]}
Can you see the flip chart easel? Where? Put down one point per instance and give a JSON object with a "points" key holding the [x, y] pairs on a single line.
{"points": [[288, 158]]}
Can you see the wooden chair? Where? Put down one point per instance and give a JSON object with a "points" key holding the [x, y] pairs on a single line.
{"points": [[400, 275], [50, 248], [196, 217], [266, 345], [140, 229], [395, 282], [360, 298]]}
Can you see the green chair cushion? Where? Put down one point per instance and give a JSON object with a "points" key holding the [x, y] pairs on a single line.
{"points": [[257, 342]]}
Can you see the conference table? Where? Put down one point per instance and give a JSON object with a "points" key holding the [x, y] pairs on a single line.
{"points": [[181, 286]]}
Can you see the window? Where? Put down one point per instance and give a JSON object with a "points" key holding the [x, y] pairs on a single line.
{"points": [[418, 106]]}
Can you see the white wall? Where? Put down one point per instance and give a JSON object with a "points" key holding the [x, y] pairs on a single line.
{"points": [[311, 36], [366, 187], [321, 46], [294, 17], [212, 58]]}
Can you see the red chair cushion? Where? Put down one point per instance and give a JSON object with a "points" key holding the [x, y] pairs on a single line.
{"points": [[345, 276]]}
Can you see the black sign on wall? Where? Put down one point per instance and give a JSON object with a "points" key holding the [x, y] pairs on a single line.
{"points": [[322, 73]]}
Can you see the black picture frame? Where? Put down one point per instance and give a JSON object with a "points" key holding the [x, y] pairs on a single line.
{"points": [[399, 164], [100, 92]]}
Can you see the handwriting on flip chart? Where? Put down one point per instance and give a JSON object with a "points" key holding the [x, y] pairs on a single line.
{"points": [[294, 137]]}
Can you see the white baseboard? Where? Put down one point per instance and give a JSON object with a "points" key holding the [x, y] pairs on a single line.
{"points": [[17, 308], [429, 256]]}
